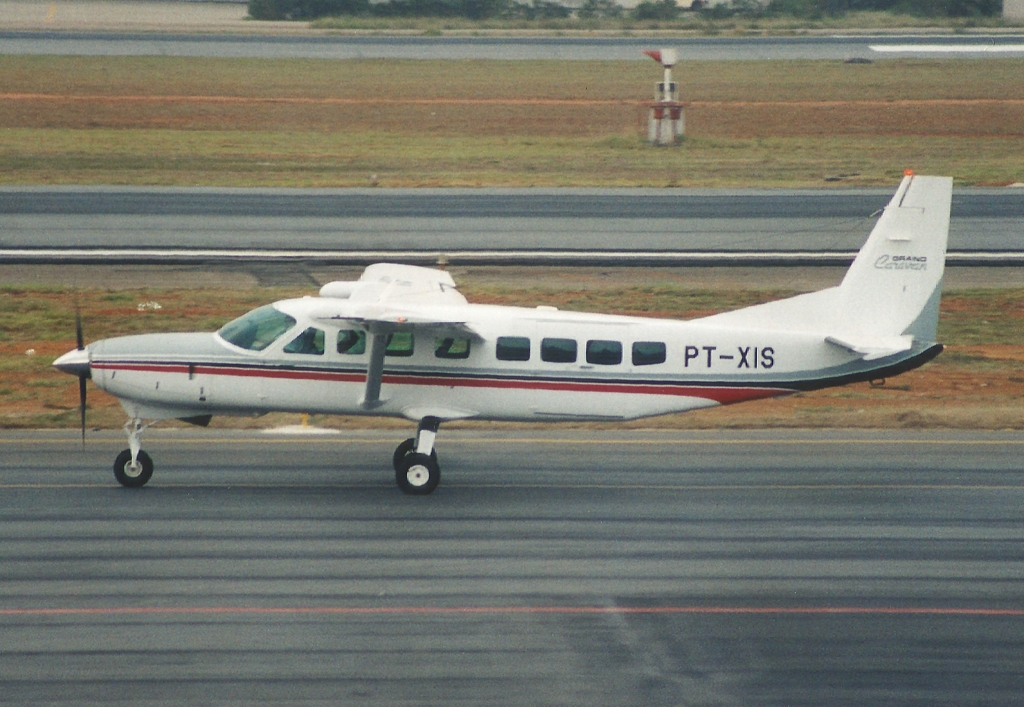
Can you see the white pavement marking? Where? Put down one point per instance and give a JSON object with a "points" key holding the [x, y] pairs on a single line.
{"points": [[947, 48], [300, 430]]}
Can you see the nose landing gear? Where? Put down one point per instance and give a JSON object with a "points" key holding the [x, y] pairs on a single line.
{"points": [[133, 474], [133, 467]]}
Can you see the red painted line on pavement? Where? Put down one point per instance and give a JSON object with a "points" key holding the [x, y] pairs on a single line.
{"points": [[499, 610]]}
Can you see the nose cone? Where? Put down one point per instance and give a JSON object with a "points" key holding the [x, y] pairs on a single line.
{"points": [[75, 362]]}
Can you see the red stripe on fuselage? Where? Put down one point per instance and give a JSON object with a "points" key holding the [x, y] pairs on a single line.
{"points": [[724, 395]]}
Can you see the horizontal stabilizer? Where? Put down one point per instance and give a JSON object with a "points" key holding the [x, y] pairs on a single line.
{"points": [[872, 348]]}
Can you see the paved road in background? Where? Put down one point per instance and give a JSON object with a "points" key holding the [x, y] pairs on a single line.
{"points": [[430, 221], [577, 568], [508, 48]]}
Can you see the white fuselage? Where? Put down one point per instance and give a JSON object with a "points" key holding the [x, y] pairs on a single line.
{"points": [[183, 375]]}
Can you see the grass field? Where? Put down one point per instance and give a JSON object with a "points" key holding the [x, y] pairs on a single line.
{"points": [[110, 120], [982, 370]]}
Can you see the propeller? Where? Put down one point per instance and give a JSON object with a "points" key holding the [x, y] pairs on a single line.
{"points": [[82, 375], [77, 363]]}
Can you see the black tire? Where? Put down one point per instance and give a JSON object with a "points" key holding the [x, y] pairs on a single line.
{"points": [[403, 450], [418, 474], [406, 448], [132, 478]]}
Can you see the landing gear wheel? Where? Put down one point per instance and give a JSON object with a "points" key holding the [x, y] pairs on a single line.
{"points": [[417, 474], [403, 450], [133, 476], [406, 448]]}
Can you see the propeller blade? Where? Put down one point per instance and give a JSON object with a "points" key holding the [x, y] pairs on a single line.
{"points": [[79, 338], [81, 401], [80, 342]]}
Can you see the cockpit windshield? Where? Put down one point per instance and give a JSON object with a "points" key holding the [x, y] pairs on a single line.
{"points": [[257, 329]]}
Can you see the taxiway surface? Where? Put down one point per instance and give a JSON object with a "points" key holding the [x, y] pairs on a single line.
{"points": [[86, 222], [321, 46], [551, 568]]}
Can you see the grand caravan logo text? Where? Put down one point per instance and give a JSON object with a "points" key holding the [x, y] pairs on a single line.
{"points": [[901, 262]]}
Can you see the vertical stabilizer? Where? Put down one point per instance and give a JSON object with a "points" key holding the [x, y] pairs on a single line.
{"points": [[889, 300], [893, 287]]}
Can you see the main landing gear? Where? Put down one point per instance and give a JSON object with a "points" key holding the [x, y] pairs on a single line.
{"points": [[416, 469], [133, 467]]}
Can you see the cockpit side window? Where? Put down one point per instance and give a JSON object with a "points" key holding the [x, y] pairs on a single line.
{"points": [[311, 342], [257, 329], [352, 342]]}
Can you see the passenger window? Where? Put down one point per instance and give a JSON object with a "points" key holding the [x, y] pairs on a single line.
{"points": [[604, 353], [400, 343], [450, 347], [512, 348], [310, 341], [648, 353], [352, 342], [558, 350]]}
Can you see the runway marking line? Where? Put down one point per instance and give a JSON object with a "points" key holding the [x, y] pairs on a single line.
{"points": [[513, 610]]}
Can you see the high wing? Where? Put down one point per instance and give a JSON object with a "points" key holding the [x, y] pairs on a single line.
{"points": [[389, 298]]}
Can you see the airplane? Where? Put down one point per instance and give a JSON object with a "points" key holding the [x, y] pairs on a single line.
{"points": [[402, 341]]}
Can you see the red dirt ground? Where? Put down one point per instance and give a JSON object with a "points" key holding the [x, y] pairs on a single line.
{"points": [[988, 118]]}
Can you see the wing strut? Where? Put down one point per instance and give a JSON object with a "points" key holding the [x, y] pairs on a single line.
{"points": [[375, 371]]}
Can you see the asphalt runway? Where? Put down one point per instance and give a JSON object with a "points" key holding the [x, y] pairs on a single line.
{"points": [[268, 46], [552, 567], [984, 220]]}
